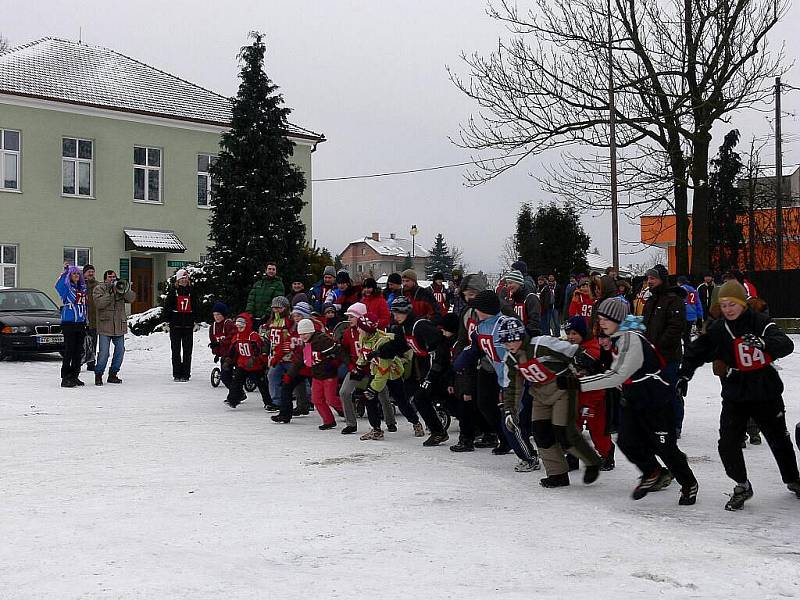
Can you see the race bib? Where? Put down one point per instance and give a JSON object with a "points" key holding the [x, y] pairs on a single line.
{"points": [[316, 357], [184, 304], [414, 345], [244, 349], [586, 310], [749, 358], [486, 343], [691, 298], [536, 372], [439, 296], [519, 310], [275, 337], [472, 326]]}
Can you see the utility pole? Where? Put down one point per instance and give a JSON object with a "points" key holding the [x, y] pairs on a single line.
{"points": [[778, 179], [612, 126]]}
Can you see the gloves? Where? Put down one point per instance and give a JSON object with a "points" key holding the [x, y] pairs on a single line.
{"points": [[512, 422], [372, 356], [752, 340], [568, 382], [165, 327], [370, 394], [196, 327], [214, 344], [357, 374], [682, 387], [583, 360], [286, 380]]}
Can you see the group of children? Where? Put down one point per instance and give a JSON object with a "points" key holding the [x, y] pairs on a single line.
{"points": [[511, 388]]}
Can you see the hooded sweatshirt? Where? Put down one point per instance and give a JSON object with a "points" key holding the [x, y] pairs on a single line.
{"points": [[73, 296], [247, 347]]}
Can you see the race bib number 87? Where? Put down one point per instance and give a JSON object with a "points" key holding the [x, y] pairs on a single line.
{"points": [[749, 358]]}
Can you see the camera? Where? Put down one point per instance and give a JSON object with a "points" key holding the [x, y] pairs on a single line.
{"points": [[121, 286]]}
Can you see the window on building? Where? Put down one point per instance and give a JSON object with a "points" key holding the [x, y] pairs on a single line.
{"points": [[9, 159], [360, 268], [8, 265], [77, 158], [77, 257], [146, 174], [204, 162]]}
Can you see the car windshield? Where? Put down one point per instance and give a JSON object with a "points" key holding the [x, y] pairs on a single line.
{"points": [[23, 300]]}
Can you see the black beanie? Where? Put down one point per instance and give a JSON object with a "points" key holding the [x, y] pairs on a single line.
{"points": [[486, 302], [394, 278], [450, 322], [521, 266]]}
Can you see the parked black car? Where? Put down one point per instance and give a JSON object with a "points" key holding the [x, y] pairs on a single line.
{"points": [[29, 322]]}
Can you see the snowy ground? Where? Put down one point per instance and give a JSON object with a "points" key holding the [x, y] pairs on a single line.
{"points": [[155, 489]]}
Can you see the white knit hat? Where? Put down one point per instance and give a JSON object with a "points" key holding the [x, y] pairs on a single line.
{"points": [[305, 326]]}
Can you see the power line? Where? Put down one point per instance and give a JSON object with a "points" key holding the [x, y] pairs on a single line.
{"points": [[420, 170]]}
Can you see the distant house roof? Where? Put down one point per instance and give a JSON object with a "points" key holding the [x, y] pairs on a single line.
{"points": [[597, 262], [77, 73], [391, 246]]}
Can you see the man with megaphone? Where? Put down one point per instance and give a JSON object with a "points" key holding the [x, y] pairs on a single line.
{"points": [[110, 298]]}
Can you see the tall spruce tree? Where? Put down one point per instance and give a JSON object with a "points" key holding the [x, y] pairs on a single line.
{"points": [[725, 204], [407, 262], [439, 260], [552, 240], [257, 191]]}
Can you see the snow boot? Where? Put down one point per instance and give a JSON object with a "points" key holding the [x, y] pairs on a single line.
{"points": [[526, 466], [794, 486], [755, 438], [436, 438], [392, 428], [78, 382], [649, 483], [590, 474], [464, 445], [373, 434], [419, 430], [572, 462], [688, 495], [487, 440], [67, 382], [608, 462], [90, 367], [741, 494], [554, 481], [112, 378], [98, 380]]}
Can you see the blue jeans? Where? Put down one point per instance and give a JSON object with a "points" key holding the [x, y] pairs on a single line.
{"points": [[274, 378], [104, 341]]}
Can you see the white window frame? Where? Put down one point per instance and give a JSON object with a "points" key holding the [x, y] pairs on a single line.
{"points": [[212, 158], [147, 168], [76, 162], [3, 153], [3, 265], [75, 250]]}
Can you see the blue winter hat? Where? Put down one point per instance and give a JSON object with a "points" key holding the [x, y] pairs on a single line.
{"points": [[578, 325], [302, 308], [221, 308]]}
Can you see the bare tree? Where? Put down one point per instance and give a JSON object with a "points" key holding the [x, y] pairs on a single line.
{"points": [[509, 253], [678, 67], [3, 43]]}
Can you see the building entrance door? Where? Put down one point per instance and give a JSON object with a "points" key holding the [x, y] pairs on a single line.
{"points": [[142, 282]]}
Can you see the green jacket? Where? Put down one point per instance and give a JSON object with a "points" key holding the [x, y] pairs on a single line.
{"points": [[259, 300], [381, 369]]}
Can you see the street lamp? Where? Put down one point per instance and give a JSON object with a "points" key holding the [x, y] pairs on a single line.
{"points": [[414, 231]]}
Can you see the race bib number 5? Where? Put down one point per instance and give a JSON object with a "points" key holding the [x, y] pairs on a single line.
{"points": [[536, 372], [749, 358]]}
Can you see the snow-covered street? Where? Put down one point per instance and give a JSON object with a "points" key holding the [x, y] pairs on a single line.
{"points": [[155, 489]]}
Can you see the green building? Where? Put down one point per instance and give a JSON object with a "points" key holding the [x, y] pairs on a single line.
{"points": [[104, 159]]}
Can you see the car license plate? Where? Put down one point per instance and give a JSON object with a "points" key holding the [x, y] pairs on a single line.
{"points": [[51, 339]]}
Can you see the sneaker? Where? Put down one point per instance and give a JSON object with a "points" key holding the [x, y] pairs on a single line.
{"points": [[794, 487], [501, 450], [487, 440], [90, 367], [463, 445], [419, 430], [392, 428], [233, 403], [525, 466], [590, 474], [280, 419], [325, 426], [269, 407], [608, 462], [755, 438], [78, 382], [554, 481], [299, 413], [67, 382], [176, 379], [436, 438], [663, 480], [646, 484], [98, 380], [688, 495], [112, 378], [373, 434], [349, 429], [741, 493]]}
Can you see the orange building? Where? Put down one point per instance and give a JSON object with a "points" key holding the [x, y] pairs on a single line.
{"points": [[660, 231]]}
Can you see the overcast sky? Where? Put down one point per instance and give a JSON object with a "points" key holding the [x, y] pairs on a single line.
{"points": [[371, 76]]}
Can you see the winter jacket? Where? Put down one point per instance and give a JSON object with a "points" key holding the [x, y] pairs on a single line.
{"points": [[705, 291], [442, 296], [424, 339], [247, 348], [665, 317], [319, 291], [277, 334], [376, 304], [581, 305], [344, 298], [640, 300], [547, 298], [321, 354], [484, 348], [591, 348], [111, 316], [73, 297], [91, 309], [181, 307], [525, 305], [221, 336], [381, 369], [694, 308], [423, 303], [608, 286], [749, 375], [259, 300]]}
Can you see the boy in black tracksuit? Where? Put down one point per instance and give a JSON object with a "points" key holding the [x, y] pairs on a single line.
{"points": [[746, 342], [181, 310], [428, 366]]}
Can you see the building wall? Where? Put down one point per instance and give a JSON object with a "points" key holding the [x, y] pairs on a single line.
{"points": [[374, 263], [41, 221]]}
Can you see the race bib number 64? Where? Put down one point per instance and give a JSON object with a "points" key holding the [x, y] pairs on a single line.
{"points": [[749, 358]]}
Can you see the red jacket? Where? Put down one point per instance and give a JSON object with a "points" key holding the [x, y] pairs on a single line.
{"points": [[221, 336], [595, 398], [247, 348], [582, 304], [376, 304]]}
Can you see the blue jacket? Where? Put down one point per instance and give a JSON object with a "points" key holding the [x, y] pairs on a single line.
{"points": [[694, 307], [484, 345], [73, 297]]}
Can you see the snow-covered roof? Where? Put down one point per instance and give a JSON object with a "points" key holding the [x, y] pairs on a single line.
{"points": [[392, 246], [384, 279], [597, 262], [77, 73], [156, 241]]}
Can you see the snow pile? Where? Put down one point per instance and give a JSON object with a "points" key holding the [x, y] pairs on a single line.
{"points": [[155, 489]]}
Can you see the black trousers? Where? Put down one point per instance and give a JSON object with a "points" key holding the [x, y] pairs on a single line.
{"points": [[769, 415], [181, 340], [467, 415], [287, 396], [424, 399], [236, 390], [74, 336], [488, 402], [647, 430], [397, 390]]}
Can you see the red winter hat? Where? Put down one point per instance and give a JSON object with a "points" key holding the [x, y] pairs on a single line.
{"points": [[368, 323]]}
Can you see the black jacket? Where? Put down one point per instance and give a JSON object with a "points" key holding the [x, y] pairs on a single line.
{"points": [[706, 292], [718, 344], [665, 318], [180, 312]]}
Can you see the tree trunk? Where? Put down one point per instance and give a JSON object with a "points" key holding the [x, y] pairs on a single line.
{"points": [[700, 234], [678, 165]]}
